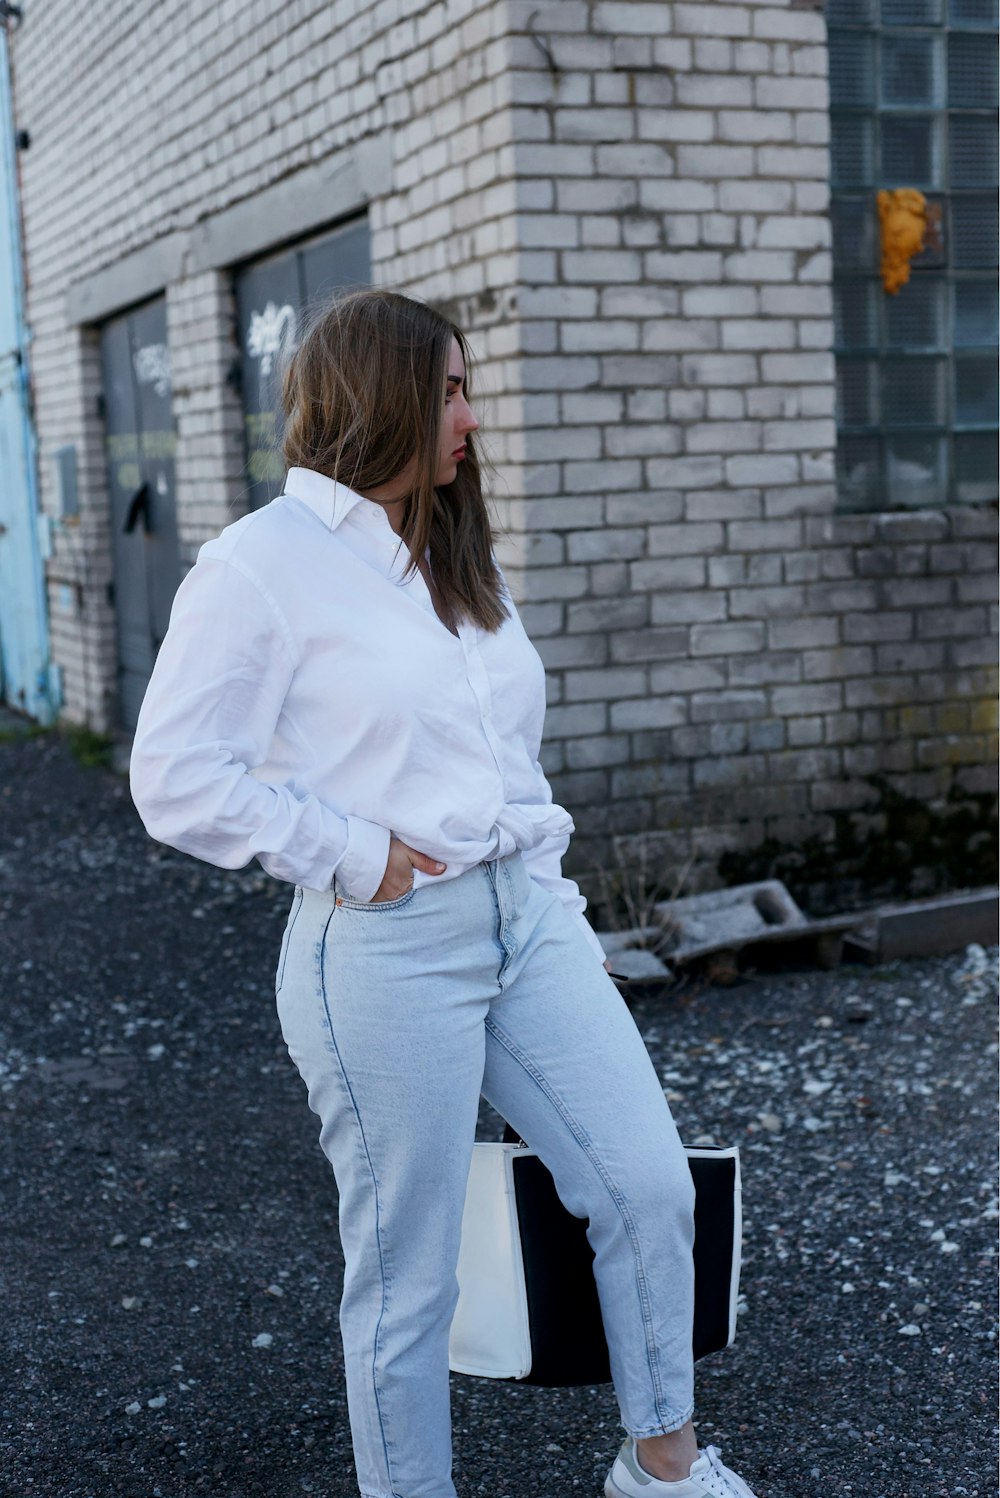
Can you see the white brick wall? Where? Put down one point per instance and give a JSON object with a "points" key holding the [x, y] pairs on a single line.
{"points": [[625, 203]]}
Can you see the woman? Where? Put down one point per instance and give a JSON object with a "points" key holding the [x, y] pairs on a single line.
{"points": [[346, 693]]}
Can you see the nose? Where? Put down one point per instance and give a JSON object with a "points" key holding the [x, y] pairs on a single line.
{"points": [[467, 419]]}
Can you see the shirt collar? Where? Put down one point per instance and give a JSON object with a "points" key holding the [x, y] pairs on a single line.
{"points": [[330, 500]]}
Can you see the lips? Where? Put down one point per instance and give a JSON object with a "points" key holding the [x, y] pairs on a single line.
{"points": [[459, 452]]}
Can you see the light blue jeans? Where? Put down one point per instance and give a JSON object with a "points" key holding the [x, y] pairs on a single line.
{"points": [[397, 1016]]}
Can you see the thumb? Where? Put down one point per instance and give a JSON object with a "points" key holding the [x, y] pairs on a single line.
{"points": [[425, 864]]}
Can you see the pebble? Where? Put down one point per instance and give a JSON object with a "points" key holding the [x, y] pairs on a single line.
{"points": [[262, 1339]]}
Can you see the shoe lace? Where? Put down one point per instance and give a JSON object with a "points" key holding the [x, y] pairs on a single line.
{"points": [[717, 1476]]}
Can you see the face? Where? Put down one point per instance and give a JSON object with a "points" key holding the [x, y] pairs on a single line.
{"points": [[457, 420]]}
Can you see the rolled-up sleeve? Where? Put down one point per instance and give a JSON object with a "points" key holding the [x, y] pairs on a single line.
{"points": [[205, 728]]}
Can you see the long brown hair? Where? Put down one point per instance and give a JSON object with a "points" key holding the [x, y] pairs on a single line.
{"points": [[363, 395]]}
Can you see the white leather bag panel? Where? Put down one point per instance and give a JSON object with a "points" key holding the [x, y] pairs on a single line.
{"points": [[490, 1335]]}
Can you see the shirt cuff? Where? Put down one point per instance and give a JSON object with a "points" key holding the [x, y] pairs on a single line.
{"points": [[363, 864]]}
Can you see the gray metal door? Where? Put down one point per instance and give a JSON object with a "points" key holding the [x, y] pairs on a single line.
{"points": [[140, 448], [272, 297]]}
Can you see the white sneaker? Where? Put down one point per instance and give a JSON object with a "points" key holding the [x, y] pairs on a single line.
{"points": [[708, 1478]]}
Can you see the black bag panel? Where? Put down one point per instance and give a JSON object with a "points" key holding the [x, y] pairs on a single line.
{"points": [[567, 1334], [714, 1184], [568, 1345]]}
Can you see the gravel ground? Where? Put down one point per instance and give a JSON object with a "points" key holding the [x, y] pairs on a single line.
{"points": [[170, 1256]]}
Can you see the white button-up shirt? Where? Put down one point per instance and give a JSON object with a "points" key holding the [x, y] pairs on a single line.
{"points": [[307, 702]]}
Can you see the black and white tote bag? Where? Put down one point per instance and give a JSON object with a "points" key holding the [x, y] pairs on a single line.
{"points": [[527, 1304]]}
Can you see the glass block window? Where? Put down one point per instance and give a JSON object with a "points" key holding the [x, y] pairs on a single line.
{"points": [[913, 102]]}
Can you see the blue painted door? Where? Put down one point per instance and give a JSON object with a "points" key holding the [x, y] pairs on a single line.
{"points": [[24, 646]]}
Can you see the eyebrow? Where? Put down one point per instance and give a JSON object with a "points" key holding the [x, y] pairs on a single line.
{"points": [[456, 379]]}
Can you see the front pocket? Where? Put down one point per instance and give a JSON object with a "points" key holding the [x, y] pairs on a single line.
{"points": [[348, 904], [293, 916]]}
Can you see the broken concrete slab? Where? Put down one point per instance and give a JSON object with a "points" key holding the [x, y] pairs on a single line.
{"points": [[638, 965], [927, 928], [727, 920]]}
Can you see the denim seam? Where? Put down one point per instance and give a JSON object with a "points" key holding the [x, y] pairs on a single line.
{"points": [[371, 1167], [288, 940], [492, 868], [586, 1145]]}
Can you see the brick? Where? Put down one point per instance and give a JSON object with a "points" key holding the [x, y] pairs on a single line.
{"points": [[577, 721], [593, 336], [909, 592], [649, 645], [883, 626], [806, 698], [731, 770], [842, 597], [558, 582], [591, 407], [793, 368], [782, 24], [804, 731], [758, 333], [675, 124], [602, 545], [685, 539], [638, 18], [680, 335], [790, 93], [661, 195], [843, 660], [686, 676], [951, 623], [590, 477], [654, 780], [775, 468], [726, 639], [584, 686], [765, 603], [798, 499], [973, 521], [719, 369], [687, 472], [667, 572], [768, 733], [585, 753], [649, 712], [722, 504], [638, 370], [632, 509], [720, 301], [727, 706], [754, 125], [565, 513], [607, 614], [711, 20], [690, 607], [721, 91], [601, 125], [881, 691], [573, 650], [804, 633], [708, 161], [641, 441], [682, 265]]}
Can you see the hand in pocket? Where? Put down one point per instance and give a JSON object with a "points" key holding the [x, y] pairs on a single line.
{"points": [[398, 876]]}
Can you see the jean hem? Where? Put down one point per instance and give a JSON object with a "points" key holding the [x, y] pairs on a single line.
{"points": [[665, 1427]]}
